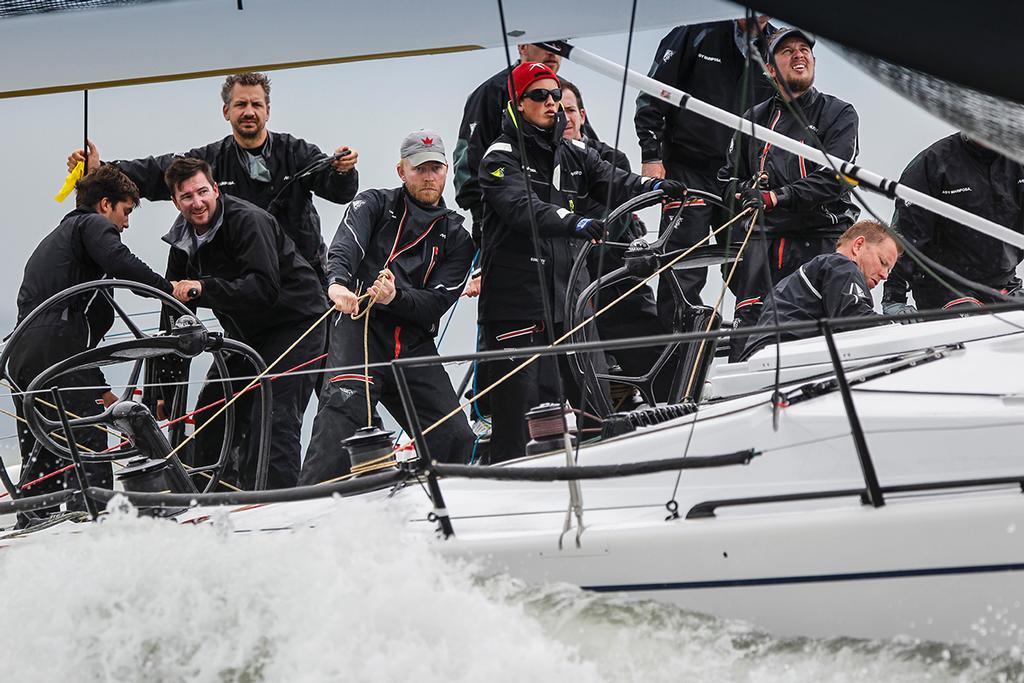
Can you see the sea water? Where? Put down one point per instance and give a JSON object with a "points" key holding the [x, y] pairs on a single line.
{"points": [[359, 599]]}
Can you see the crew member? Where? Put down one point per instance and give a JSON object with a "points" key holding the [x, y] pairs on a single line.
{"points": [[481, 125], [274, 171], [248, 271], [637, 314], [708, 61], [806, 207], [960, 172], [561, 172], [411, 255], [835, 285], [85, 246]]}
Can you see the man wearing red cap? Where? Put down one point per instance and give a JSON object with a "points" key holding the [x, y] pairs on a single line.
{"points": [[560, 173]]}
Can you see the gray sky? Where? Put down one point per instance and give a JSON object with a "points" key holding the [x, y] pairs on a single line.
{"points": [[369, 106]]}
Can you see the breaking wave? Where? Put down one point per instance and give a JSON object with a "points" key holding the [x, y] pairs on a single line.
{"points": [[357, 599]]}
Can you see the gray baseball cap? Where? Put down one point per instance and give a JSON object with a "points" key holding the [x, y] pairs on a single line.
{"points": [[421, 146]]}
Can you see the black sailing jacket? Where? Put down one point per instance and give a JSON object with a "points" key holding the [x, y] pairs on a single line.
{"points": [[975, 179], [426, 248], [253, 278], [827, 286], [285, 156], [811, 199], [563, 173], [84, 247], [704, 61], [481, 125]]}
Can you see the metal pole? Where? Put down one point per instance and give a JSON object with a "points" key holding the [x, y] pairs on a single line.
{"points": [[874, 491], [443, 520], [83, 481], [887, 187]]}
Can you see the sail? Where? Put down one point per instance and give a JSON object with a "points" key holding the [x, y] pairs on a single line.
{"points": [[60, 46]]}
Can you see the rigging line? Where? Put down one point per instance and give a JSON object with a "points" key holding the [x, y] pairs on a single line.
{"points": [[568, 334], [531, 215], [721, 297], [603, 247], [46, 403], [752, 54]]}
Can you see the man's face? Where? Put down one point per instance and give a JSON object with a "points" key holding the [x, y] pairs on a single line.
{"points": [[574, 116], [247, 111], [196, 199], [875, 260], [540, 114], [424, 182], [795, 63], [531, 53], [116, 213]]}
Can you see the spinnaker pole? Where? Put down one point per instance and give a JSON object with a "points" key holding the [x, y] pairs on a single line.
{"points": [[855, 173]]}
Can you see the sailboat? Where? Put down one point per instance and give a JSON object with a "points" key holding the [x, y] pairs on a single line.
{"points": [[861, 483]]}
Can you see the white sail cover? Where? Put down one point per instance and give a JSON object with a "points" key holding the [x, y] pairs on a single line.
{"points": [[54, 46]]}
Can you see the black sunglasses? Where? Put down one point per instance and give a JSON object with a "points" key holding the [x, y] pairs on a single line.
{"points": [[541, 94]]}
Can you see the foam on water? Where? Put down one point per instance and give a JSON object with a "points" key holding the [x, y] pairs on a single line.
{"points": [[357, 599]]}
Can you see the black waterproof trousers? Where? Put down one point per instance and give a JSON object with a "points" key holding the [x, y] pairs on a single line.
{"points": [[699, 218], [47, 342], [291, 394], [343, 401], [535, 384]]}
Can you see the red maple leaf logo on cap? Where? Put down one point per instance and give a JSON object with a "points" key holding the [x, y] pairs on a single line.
{"points": [[427, 141]]}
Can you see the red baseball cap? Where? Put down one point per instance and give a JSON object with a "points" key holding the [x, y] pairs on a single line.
{"points": [[526, 74]]}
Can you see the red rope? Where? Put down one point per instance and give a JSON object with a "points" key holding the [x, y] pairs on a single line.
{"points": [[186, 416]]}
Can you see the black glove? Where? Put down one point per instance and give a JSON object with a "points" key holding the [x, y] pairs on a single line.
{"points": [[673, 189], [753, 198], [588, 229]]}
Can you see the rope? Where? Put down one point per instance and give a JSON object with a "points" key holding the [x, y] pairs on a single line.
{"points": [[252, 383], [365, 315], [718, 304], [386, 460]]}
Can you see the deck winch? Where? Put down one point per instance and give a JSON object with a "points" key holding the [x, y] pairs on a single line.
{"points": [[547, 426], [368, 445]]}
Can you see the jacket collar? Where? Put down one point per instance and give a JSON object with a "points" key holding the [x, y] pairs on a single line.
{"points": [[182, 234], [804, 101]]}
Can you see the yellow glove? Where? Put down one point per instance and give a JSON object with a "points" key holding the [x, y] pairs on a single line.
{"points": [[69, 182]]}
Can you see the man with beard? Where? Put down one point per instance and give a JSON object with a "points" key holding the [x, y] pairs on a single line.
{"points": [[275, 171], [481, 125], [834, 285], [806, 207], [232, 257], [85, 246], [961, 172], [411, 255], [708, 61], [561, 173]]}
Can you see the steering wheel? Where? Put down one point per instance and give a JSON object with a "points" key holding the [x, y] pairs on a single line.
{"points": [[187, 340], [641, 259]]}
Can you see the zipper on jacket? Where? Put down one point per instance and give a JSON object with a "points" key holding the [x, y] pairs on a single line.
{"points": [[430, 267]]}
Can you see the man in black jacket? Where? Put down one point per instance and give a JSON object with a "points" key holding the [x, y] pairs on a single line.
{"points": [[275, 171], [561, 173], [835, 285], [965, 174], [410, 253], [85, 246], [806, 206], [250, 274], [708, 61], [481, 125]]}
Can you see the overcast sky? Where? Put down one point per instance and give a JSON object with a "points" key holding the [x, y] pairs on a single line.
{"points": [[369, 106]]}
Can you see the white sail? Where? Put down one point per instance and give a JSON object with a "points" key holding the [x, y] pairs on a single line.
{"points": [[172, 40]]}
